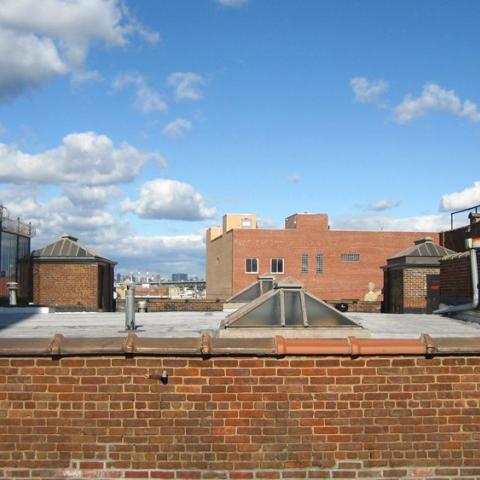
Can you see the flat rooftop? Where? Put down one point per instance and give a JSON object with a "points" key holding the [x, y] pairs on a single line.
{"points": [[194, 324]]}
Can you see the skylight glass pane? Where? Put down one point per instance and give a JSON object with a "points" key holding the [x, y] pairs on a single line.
{"points": [[293, 309], [248, 295], [265, 315], [319, 315]]}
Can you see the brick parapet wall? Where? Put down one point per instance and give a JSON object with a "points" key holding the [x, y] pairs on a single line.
{"points": [[456, 279], [243, 417], [360, 306], [166, 305]]}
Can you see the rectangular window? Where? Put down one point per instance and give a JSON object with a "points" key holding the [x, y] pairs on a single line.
{"points": [[319, 266], [251, 265], [277, 265], [304, 263], [350, 257]]}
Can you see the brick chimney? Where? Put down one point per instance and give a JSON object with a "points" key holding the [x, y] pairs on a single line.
{"points": [[474, 217]]}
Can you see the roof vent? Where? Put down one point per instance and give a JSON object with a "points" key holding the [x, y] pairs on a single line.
{"points": [[423, 240], [70, 237]]}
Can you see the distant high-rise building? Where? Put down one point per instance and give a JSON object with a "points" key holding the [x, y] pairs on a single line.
{"points": [[179, 277], [119, 277]]}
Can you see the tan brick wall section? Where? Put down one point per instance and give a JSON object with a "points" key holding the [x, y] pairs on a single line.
{"points": [[219, 262], [65, 284], [240, 418]]}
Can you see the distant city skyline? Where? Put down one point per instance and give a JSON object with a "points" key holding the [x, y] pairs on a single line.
{"points": [[135, 125]]}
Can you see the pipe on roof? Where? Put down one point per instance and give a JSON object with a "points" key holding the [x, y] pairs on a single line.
{"points": [[474, 275]]}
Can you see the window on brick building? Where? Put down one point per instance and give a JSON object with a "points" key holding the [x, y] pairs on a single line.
{"points": [[277, 265], [319, 265], [304, 263], [251, 265], [350, 257]]}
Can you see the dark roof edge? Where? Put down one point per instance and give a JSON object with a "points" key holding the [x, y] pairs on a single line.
{"points": [[206, 346], [72, 260]]}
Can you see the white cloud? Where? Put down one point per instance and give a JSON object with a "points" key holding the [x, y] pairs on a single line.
{"points": [[435, 99], [176, 128], [419, 223], [383, 204], [83, 158], [86, 76], [466, 198], [35, 61], [294, 178], [146, 98], [266, 223], [232, 3], [187, 85], [169, 199], [367, 91], [88, 213], [37, 43]]}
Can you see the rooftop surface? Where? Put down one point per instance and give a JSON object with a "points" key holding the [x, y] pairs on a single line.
{"points": [[192, 324]]}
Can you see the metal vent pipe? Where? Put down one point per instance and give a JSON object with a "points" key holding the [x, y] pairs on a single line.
{"points": [[130, 308]]}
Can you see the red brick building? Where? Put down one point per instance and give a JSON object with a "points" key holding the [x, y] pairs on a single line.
{"points": [[68, 274], [332, 264], [412, 278], [456, 270]]}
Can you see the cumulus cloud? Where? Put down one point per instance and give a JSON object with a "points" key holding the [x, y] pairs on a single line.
{"points": [[294, 178], [419, 223], [161, 253], [88, 214], [83, 158], [187, 85], [169, 199], [383, 204], [435, 99], [39, 43], [466, 198], [368, 91], [146, 98], [232, 3], [177, 128]]}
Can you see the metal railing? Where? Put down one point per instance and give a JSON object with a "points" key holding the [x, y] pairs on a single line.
{"points": [[15, 226], [475, 209]]}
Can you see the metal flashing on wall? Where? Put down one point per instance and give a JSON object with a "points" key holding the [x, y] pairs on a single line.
{"points": [[207, 346]]}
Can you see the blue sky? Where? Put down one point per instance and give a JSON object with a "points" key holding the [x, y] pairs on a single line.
{"points": [[135, 125]]}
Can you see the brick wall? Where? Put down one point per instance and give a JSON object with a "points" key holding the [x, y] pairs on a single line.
{"points": [[65, 284], [340, 279], [456, 279], [161, 305], [455, 239], [231, 418], [415, 288], [367, 307]]}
